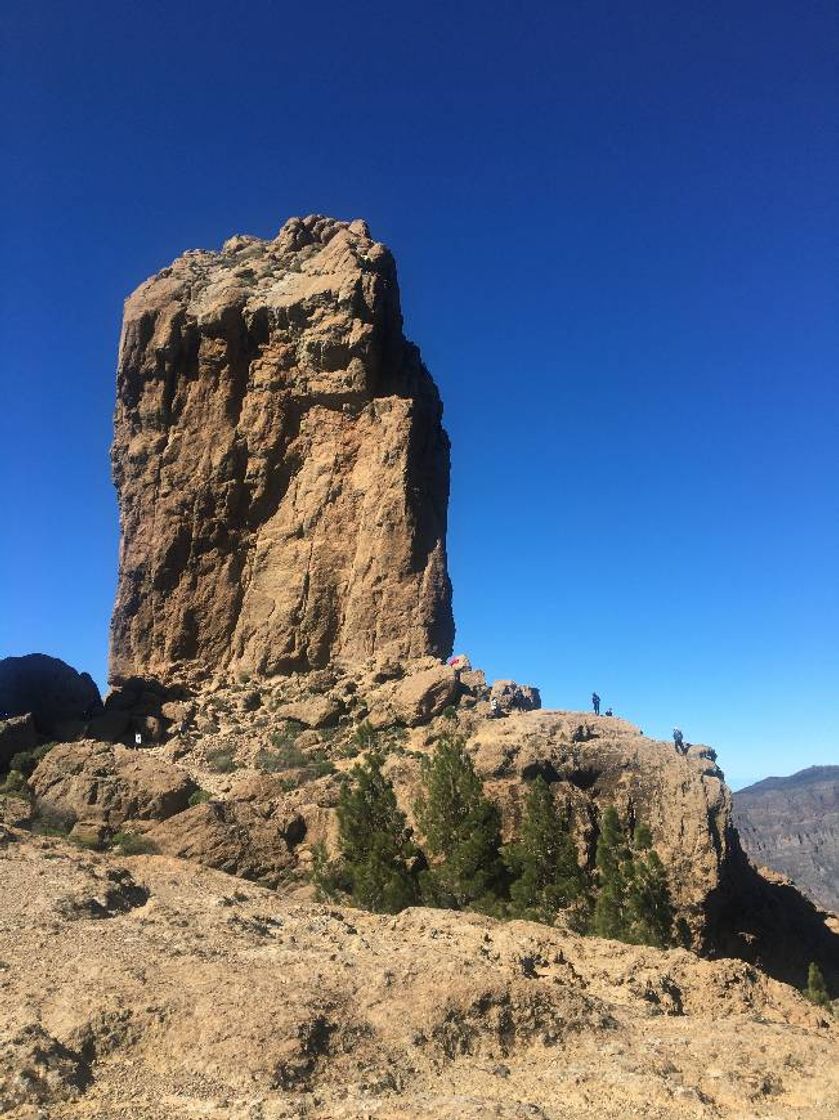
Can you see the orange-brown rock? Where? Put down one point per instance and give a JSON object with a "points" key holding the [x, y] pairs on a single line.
{"points": [[280, 462]]}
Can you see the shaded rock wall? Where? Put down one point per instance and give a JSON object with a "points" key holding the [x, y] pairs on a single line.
{"points": [[280, 463]]}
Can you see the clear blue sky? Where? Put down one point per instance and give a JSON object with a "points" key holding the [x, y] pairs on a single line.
{"points": [[616, 231]]}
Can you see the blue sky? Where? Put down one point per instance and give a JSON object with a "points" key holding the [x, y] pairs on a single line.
{"points": [[616, 232]]}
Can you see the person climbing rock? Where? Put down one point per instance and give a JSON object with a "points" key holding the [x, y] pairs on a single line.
{"points": [[679, 741], [595, 703]]}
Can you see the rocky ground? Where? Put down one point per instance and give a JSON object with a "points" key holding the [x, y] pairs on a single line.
{"points": [[244, 777], [141, 987]]}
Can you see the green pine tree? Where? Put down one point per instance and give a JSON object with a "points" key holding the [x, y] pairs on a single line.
{"points": [[633, 903], [462, 828], [816, 987], [649, 910], [611, 860], [543, 861], [377, 855]]}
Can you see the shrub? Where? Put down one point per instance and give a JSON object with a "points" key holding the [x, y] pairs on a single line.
{"points": [[449, 712], [816, 990], [49, 821], [463, 831], [220, 761], [314, 765], [14, 785], [26, 761], [543, 861], [133, 844], [285, 735], [200, 797], [364, 735], [377, 855]]}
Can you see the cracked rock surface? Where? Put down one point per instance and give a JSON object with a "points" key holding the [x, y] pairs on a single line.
{"points": [[280, 463]]}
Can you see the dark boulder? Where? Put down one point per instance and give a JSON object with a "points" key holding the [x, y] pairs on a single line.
{"points": [[50, 689]]}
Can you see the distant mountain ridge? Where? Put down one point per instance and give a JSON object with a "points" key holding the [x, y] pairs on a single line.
{"points": [[791, 824]]}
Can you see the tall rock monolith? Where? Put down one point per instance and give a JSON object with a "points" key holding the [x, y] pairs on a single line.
{"points": [[280, 463]]}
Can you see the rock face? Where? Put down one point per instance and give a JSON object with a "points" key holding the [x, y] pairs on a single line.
{"points": [[792, 825], [280, 463], [49, 688]]}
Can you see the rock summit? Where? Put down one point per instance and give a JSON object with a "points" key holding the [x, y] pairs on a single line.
{"points": [[280, 463]]}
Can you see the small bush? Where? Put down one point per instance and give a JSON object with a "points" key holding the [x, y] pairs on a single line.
{"points": [[364, 736], [320, 767], [48, 821], [285, 735], [220, 761], [314, 765], [14, 785], [270, 761], [449, 712], [200, 797], [132, 844], [26, 761]]}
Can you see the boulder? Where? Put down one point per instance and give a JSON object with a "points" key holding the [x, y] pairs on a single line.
{"points": [[515, 697], [250, 837], [474, 683], [98, 784], [421, 696], [312, 711], [49, 688]]}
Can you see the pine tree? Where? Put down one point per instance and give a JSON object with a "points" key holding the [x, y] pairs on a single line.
{"points": [[649, 910], [463, 832], [377, 855], [610, 916], [816, 987], [633, 903], [543, 861]]}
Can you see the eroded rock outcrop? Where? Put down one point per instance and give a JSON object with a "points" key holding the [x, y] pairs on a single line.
{"points": [[280, 462]]}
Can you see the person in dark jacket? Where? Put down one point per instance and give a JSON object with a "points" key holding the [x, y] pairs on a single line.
{"points": [[679, 741], [595, 703]]}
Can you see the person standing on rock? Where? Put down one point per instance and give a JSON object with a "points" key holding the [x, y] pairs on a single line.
{"points": [[595, 703], [679, 741]]}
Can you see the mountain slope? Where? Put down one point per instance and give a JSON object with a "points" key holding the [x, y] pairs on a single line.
{"points": [[792, 825]]}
